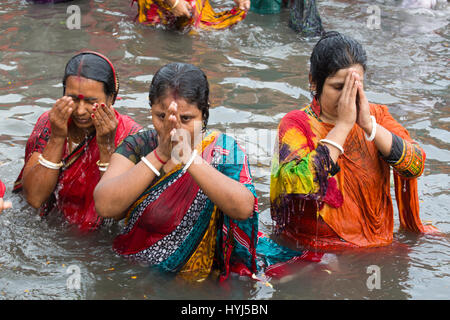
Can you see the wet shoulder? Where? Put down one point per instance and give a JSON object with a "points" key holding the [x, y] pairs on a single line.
{"points": [[138, 145], [229, 145], [378, 110], [298, 115]]}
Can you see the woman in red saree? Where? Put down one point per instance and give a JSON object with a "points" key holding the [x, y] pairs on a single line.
{"points": [[70, 146], [330, 180]]}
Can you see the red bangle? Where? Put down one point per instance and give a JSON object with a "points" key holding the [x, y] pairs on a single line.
{"points": [[159, 159]]}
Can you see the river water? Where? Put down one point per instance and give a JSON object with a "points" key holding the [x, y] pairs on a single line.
{"points": [[258, 71]]}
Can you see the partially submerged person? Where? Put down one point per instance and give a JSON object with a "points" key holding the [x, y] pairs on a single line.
{"points": [[305, 18], [3, 204], [71, 144], [192, 213], [186, 14], [330, 180]]}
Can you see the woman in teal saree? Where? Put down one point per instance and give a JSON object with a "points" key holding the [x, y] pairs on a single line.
{"points": [[190, 204]]}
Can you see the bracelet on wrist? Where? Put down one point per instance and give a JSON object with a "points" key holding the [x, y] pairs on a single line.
{"points": [[191, 159], [374, 129], [334, 144], [175, 4], [157, 157], [48, 164], [102, 166], [149, 164]]}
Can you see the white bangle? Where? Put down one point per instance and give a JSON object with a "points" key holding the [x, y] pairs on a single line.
{"points": [[194, 154], [49, 164], [334, 144], [102, 166], [144, 160], [175, 4], [374, 129]]}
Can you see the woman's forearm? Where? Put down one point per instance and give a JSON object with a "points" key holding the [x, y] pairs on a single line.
{"points": [[382, 140], [338, 134], [39, 181], [230, 196], [117, 191]]}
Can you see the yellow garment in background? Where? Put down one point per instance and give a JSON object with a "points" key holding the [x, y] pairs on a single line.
{"points": [[155, 12]]}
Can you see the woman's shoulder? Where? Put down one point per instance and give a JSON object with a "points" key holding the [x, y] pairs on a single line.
{"points": [[229, 146], [226, 141], [44, 118], [140, 143], [297, 114], [142, 137], [297, 117], [42, 125], [378, 109]]}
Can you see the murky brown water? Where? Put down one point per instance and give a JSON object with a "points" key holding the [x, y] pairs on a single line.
{"points": [[258, 72]]}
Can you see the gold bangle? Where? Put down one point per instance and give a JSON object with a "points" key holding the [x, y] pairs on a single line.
{"points": [[102, 165], [176, 3]]}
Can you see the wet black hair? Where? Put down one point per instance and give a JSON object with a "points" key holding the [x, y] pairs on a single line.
{"points": [[185, 81], [334, 51], [95, 66]]}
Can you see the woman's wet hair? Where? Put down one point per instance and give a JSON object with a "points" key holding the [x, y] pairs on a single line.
{"points": [[334, 51], [94, 66], [182, 80]]}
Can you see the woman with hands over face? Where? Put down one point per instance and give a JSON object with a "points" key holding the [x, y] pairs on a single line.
{"points": [[189, 203], [330, 180], [71, 144]]}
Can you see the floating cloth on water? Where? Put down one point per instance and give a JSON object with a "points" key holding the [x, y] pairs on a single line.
{"points": [[156, 12], [305, 18]]}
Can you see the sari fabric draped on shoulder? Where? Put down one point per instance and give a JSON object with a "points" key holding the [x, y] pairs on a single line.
{"points": [[315, 207], [155, 12], [73, 195], [174, 226]]}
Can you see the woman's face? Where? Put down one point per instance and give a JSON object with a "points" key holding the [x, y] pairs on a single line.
{"points": [[190, 116], [85, 93], [332, 90]]}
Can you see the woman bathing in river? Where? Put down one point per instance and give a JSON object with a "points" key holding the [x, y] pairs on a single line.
{"points": [[71, 144], [195, 213], [330, 180]]}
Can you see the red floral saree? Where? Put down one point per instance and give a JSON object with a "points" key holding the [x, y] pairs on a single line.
{"points": [[73, 195]]}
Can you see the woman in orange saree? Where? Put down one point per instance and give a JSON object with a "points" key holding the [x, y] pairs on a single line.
{"points": [[330, 180], [185, 14]]}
